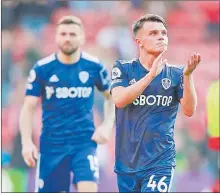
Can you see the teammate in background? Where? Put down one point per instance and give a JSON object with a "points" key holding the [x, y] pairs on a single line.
{"points": [[147, 92], [65, 81]]}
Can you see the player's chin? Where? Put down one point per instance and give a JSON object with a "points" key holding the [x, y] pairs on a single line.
{"points": [[68, 51], [160, 49]]}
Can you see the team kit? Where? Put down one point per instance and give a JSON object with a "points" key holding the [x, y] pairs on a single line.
{"points": [[141, 101]]}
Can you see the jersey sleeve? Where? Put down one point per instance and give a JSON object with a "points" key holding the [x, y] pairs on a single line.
{"points": [[180, 86], [118, 77], [102, 80], [34, 82]]}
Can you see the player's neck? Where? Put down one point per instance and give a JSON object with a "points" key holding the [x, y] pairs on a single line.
{"points": [[147, 60], [71, 59]]}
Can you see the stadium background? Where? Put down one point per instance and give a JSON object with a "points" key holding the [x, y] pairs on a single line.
{"points": [[28, 29]]}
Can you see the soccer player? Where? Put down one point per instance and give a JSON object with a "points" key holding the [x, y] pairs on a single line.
{"points": [[65, 81], [147, 92]]}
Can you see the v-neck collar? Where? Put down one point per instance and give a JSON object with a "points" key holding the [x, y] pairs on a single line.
{"points": [[142, 67]]}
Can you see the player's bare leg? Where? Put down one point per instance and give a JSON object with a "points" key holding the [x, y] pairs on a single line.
{"points": [[87, 186]]}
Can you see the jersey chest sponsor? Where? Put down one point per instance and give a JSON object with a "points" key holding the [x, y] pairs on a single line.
{"points": [[65, 92], [158, 100]]}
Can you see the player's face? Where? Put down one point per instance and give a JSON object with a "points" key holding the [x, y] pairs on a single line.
{"points": [[152, 37], [69, 37]]}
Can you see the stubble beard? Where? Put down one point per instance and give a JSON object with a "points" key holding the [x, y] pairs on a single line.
{"points": [[68, 52]]}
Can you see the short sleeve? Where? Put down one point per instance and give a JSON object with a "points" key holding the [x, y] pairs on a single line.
{"points": [[102, 80], [180, 87], [34, 82], [118, 77]]}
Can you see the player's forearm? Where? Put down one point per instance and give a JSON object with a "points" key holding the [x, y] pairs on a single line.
{"points": [[26, 124], [189, 101], [109, 115], [127, 95]]}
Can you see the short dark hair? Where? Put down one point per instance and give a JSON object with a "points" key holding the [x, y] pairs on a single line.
{"points": [[148, 17], [70, 20]]}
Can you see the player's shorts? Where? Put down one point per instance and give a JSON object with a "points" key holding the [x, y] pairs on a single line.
{"points": [[53, 171], [153, 180]]}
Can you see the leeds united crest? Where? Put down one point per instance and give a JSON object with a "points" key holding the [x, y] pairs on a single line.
{"points": [[83, 76], [166, 83]]}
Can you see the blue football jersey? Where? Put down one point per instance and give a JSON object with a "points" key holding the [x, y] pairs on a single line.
{"points": [[145, 128], [67, 93]]}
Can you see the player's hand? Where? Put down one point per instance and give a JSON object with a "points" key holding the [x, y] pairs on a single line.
{"points": [[158, 65], [100, 135], [30, 154], [192, 64]]}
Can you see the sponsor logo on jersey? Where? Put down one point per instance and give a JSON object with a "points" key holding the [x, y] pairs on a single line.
{"points": [[64, 92], [116, 73], [158, 100], [116, 81], [54, 78], [83, 76], [166, 83], [132, 81]]}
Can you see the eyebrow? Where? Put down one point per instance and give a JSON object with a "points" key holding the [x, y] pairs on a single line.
{"points": [[157, 30], [68, 32]]}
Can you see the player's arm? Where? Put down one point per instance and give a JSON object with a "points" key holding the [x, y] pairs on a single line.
{"points": [[103, 132], [123, 94], [33, 92], [189, 100], [109, 111], [29, 150]]}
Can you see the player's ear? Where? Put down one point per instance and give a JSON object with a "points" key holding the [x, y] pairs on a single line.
{"points": [[138, 41]]}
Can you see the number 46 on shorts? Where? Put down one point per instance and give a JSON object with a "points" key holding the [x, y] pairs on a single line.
{"points": [[161, 185]]}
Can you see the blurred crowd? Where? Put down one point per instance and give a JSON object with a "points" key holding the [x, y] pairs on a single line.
{"points": [[28, 29]]}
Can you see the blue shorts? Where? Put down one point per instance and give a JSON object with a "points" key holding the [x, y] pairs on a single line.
{"points": [[153, 180], [53, 170]]}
